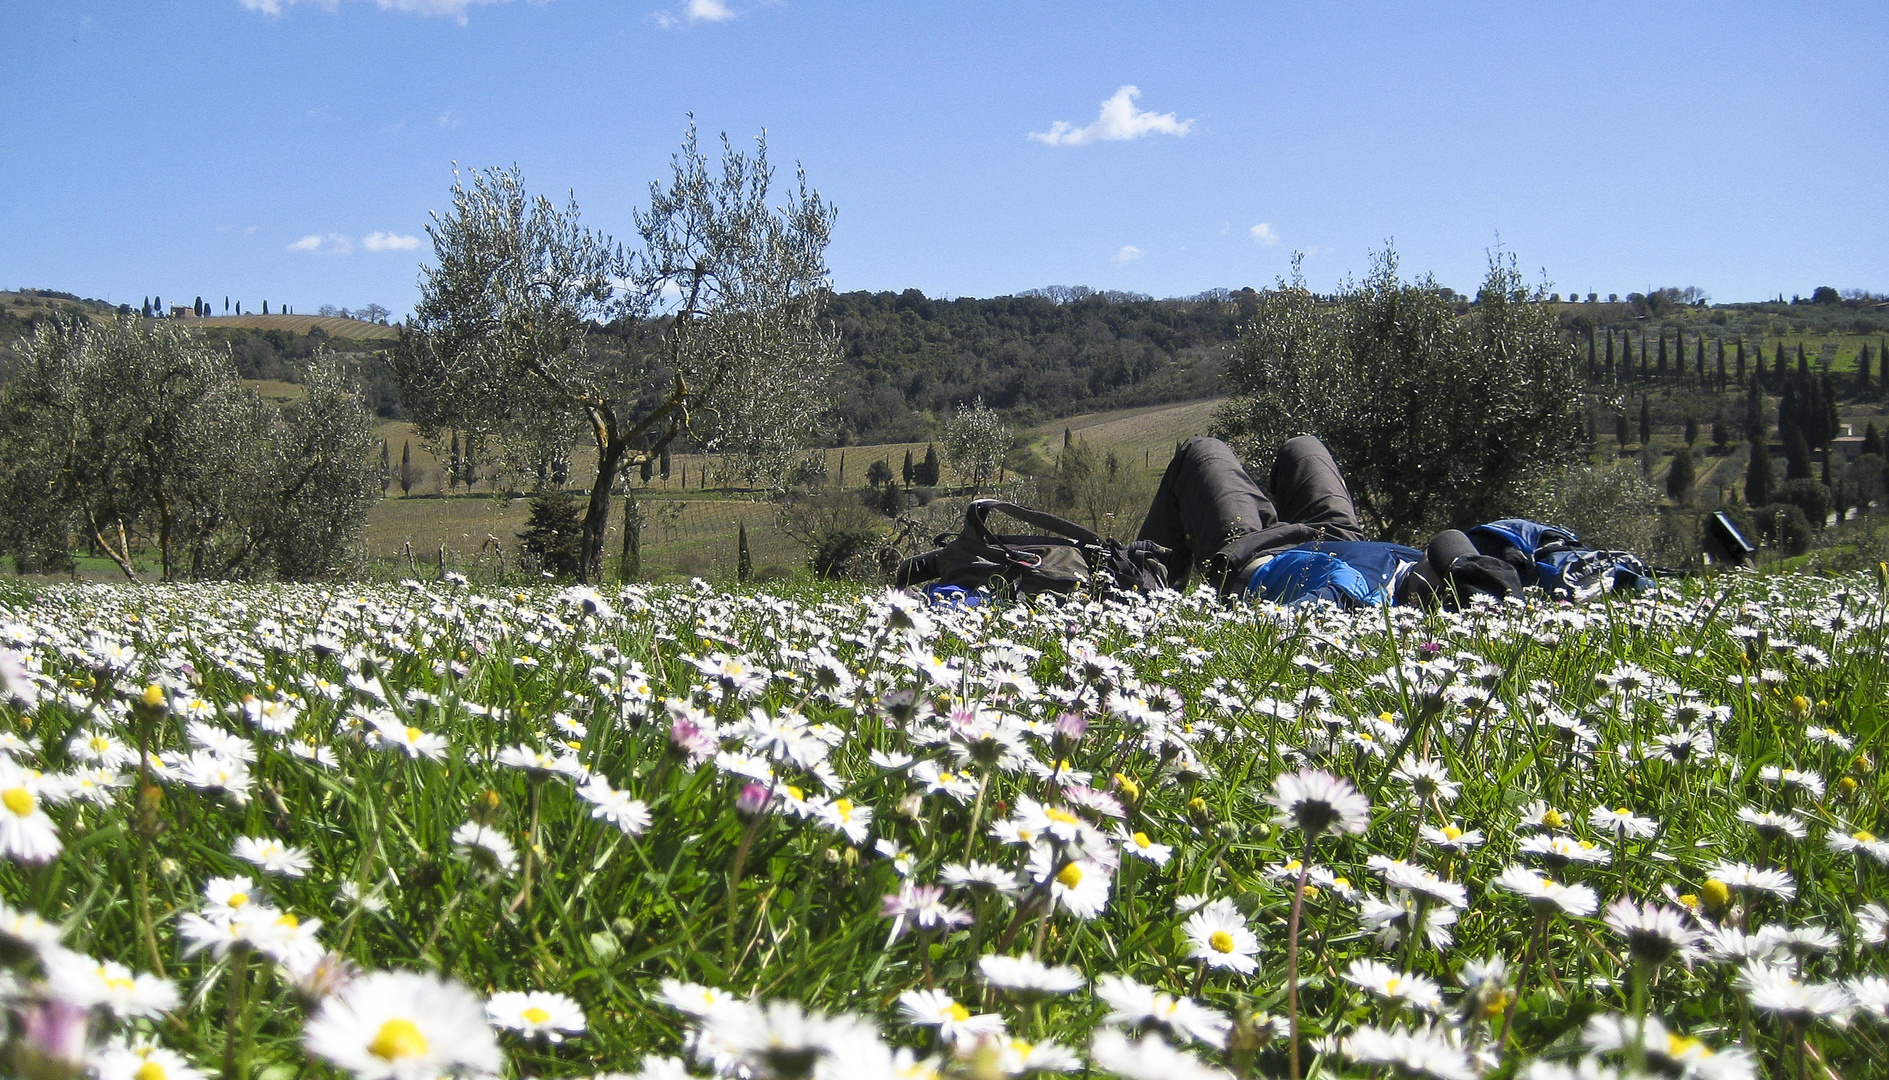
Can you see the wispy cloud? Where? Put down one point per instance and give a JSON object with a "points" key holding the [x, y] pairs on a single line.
{"points": [[1264, 233], [455, 9], [694, 11], [317, 244], [386, 241], [1118, 122], [447, 120], [1129, 253]]}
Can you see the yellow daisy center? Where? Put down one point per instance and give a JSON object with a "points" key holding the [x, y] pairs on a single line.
{"points": [[19, 800], [100, 743], [1863, 836], [1390, 987], [795, 793], [398, 1038], [1058, 814], [153, 696], [1221, 941], [1069, 876], [237, 899], [843, 807], [289, 921], [1716, 893], [1553, 819], [150, 1070], [1141, 840], [958, 1012], [1452, 832], [1678, 1046], [413, 734], [1621, 811], [535, 1015]]}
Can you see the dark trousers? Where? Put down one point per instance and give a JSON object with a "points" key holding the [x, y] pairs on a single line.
{"points": [[1206, 500]]}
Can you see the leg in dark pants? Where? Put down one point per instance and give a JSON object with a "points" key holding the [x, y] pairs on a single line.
{"points": [[1207, 499], [1311, 491]]}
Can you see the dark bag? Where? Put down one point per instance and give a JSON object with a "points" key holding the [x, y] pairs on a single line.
{"points": [[1061, 559]]}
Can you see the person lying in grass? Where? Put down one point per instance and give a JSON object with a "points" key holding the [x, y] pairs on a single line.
{"points": [[1299, 539]]}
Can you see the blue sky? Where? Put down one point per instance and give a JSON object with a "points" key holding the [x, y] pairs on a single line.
{"points": [[291, 151]]}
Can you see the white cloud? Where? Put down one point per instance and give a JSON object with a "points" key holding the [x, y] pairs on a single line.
{"points": [[1119, 121], [453, 8], [317, 244], [696, 11], [1264, 233], [386, 241], [1129, 253]]}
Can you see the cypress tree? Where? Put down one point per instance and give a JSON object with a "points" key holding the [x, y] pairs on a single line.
{"points": [[1872, 440], [1593, 364], [1803, 362], [1796, 456], [1662, 354], [1698, 361], [1679, 477], [905, 474], [1692, 429], [1754, 412], [744, 562], [1787, 413], [1832, 419], [453, 464], [1741, 360], [632, 566], [1758, 475], [1646, 372], [932, 468], [1646, 421], [1778, 368], [406, 467], [1721, 365], [1623, 430], [265, 307], [386, 467], [842, 468], [892, 500], [663, 464], [1610, 355]]}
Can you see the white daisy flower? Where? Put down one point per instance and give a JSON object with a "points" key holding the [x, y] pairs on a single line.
{"points": [[935, 1008], [272, 855], [535, 1013], [1219, 937], [403, 1025]]}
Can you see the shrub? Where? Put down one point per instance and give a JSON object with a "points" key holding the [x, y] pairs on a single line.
{"points": [[554, 534], [1810, 496], [1609, 506], [841, 536], [1784, 526]]}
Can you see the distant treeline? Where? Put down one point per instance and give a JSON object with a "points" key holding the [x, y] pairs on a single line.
{"points": [[909, 359]]}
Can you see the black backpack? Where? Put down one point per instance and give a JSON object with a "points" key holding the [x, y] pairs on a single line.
{"points": [[1065, 557]]}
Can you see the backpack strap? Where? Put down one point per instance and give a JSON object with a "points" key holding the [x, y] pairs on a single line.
{"points": [[976, 521]]}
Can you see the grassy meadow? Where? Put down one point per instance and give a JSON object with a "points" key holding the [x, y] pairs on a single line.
{"points": [[405, 831]]}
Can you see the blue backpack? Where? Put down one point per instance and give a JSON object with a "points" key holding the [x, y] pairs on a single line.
{"points": [[1349, 573], [1554, 559]]}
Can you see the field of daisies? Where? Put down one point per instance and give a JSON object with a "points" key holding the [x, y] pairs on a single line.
{"points": [[411, 831]]}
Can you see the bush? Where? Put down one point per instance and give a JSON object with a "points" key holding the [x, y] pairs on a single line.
{"points": [[1784, 526], [1808, 495], [1609, 506], [554, 534], [841, 536]]}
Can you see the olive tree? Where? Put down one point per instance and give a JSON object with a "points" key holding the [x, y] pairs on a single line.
{"points": [[721, 305], [976, 440], [141, 435], [1436, 417]]}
